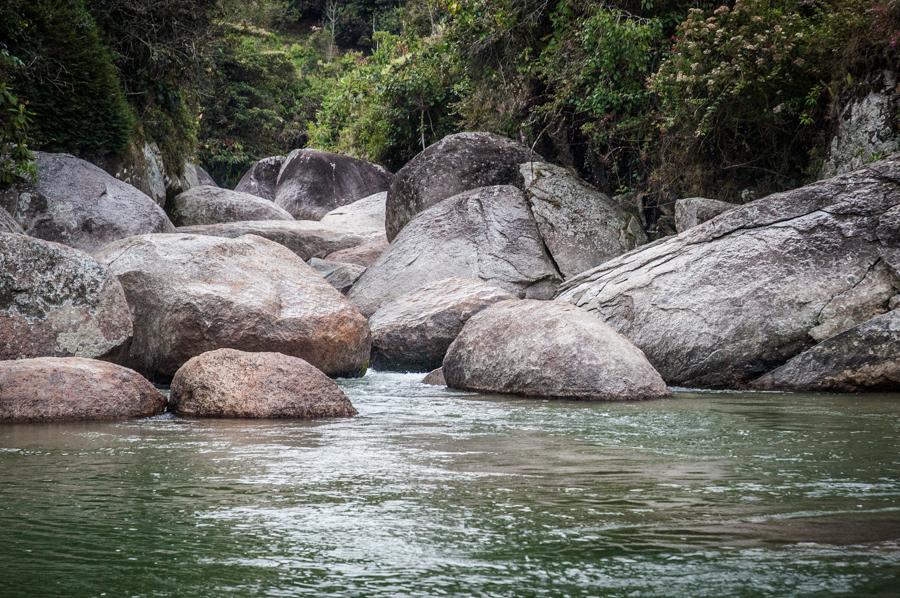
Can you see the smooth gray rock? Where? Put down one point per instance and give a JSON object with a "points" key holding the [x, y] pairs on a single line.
{"points": [[80, 205], [435, 378], [548, 349], [364, 216], [724, 302], [455, 164], [262, 178], [341, 276], [311, 183], [56, 301], [486, 233], [413, 332], [8, 223], [580, 226], [691, 211], [864, 358], [190, 294], [213, 205]]}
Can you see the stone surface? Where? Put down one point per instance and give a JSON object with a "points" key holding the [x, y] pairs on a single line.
{"points": [[412, 332], [213, 205], [340, 275], [725, 302], [262, 178], [548, 349], [57, 301], [230, 383], [455, 164], [311, 183], [190, 294], [80, 205], [580, 226], [486, 233], [191, 176], [864, 358], [140, 165], [435, 378], [364, 216], [8, 223], [691, 211], [361, 255], [73, 388]]}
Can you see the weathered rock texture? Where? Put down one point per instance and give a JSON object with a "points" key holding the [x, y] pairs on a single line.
{"points": [[864, 358], [486, 233], [230, 383], [691, 211], [262, 178], [723, 303], [361, 255], [190, 294], [435, 378], [213, 205], [455, 164], [413, 332], [73, 388], [548, 349], [57, 301], [340, 275], [363, 216], [8, 223], [312, 183], [80, 205], [580, 226], [140, 165]]}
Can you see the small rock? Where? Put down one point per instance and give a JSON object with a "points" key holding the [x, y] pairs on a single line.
{"points": [[339, 275], [435, 378], [214, 205]]}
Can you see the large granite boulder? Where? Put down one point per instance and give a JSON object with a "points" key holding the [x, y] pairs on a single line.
{"points": [[8, 224], [306, 238], [364, 216], [262, 178], [548, 349], [230, 383], [580, 226], [724, 302], [691, 211], [78, 204], [454, 164], [312, 183], [362, 255], [341, 276], [864, 358], [57, 301], [486, 233], [190, 294], [73, 388], [412, 332], [213, 205]]}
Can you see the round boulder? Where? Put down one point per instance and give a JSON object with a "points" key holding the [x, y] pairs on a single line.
{"points": [[261, 179], [213, 205], [230, 383]]}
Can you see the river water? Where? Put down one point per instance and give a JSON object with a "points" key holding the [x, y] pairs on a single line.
{"points": [[435, 492]]}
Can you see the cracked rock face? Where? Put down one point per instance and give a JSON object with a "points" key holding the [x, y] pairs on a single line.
{"points": [[261, 179], [57, 301], [190, 294], [312, 183], [214, 205], [548, 349], [691, 211], [230, 383], [486, 233], [455, 164], [72, 388], [78, 204], [723, 303]]}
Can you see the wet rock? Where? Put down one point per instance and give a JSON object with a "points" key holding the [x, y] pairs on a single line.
{"points": [[262, 178], [230, 383], [363, 216], [413, 332], [548, 349], [78, 204], [73, 388], [213, 205], [339, 275], [486, 233], [435, 378], [361, 255], [312, 183], [190, 294], [580, 226], [455, 164], [57, 301], [725, 302], [691, 211]]}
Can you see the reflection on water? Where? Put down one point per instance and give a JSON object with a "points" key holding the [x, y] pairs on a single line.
{"points": [[434, 492]]}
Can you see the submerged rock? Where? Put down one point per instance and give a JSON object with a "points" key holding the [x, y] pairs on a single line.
{"points": [[214, 205], [57, 301], [230, 383], [73, 388], [548, 349], [486, 233], [455, 164], [261, 179], [190, 294], [435, 378], [413, 332], [338, 274], [691, 211]]}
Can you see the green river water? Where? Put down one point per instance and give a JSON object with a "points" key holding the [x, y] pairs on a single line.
{"points": [[432, 492]]}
